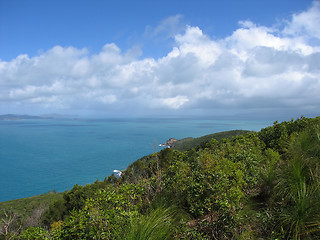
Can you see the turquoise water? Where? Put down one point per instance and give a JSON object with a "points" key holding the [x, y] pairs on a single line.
{"points": [[37, 156]]}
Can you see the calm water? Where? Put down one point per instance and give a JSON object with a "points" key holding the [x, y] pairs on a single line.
{"points": [[37, 156]]}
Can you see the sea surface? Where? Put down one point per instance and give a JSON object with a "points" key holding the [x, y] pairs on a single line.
{"points": [[42, 155]]}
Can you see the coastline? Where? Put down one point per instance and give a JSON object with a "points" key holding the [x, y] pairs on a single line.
{"points": [[83, 151]]}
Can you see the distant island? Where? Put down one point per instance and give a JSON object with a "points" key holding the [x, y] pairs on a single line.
{"points": [[11, 117]]}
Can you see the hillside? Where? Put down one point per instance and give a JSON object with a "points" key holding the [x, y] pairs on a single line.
{"points": [[255, 185], [189, 143], [27, 212]]}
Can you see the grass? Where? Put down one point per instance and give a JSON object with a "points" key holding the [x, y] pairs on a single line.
{"points": [[157, 225], [26, 210], [299, 185]]}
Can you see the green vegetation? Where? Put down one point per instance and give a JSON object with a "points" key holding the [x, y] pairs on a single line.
{"points": [[189, 143], [27, 212], [25, 206], [251, 185]]}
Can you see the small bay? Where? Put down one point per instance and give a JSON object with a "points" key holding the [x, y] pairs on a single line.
{"points": [[41, 155]]}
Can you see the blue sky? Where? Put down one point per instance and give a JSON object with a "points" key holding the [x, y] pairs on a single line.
{"points": [[151, 58], [32, 26]]}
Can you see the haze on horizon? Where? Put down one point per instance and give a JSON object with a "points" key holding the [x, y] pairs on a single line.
{"points": [[160, 59]]}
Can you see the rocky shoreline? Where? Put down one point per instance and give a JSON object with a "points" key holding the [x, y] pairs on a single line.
{"points": [[169, 143]]}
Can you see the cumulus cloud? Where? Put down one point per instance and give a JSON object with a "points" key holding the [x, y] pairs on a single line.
{"points": [[305, 23], [255, 67]]}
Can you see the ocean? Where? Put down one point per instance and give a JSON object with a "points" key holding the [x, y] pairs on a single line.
{"points": [[42, 155]]}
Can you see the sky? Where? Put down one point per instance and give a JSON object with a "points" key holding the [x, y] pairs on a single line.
{"points": [[125, 58]]}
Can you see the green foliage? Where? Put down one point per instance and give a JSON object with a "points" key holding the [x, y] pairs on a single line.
{"points": [[25, 206], [298, 187], [213, 181], [142, 168], [187, 232], [57, 210], [158, 224], [72, 200], [270, 163], [263, 185], [76, 197], [104, 213], [276, 137], [189, 143], [34, 233], [27, 212]]}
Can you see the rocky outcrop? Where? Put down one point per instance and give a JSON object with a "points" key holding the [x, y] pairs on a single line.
{"points": [[169, 143]]}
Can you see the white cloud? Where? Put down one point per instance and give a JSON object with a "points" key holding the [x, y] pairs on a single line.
{"points": [[194, 42], [171, 102], [255, 67], [306, 23]]}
